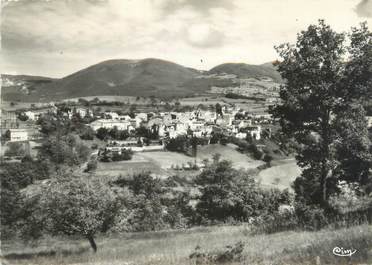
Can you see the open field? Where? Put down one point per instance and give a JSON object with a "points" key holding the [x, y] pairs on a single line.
{"points": [[124, 99], [205, 100], [174, 247], [280, 176], [160, 162], [245, 104], [228, 152], [137, 165], [6, 105]]}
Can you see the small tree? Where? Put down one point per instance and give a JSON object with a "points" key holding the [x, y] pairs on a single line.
{"points": [[147, 209], [73, 206], [91, 166], [22, 117], [224, 191], [87, 133], [102, 133], [218, 108], [268, 158]]}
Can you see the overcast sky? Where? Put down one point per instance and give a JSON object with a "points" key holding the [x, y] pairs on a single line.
{"points": [[57, 37]]}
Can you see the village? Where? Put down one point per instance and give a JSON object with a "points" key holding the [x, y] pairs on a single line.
{"points": [[188, 132], [227, 120]]}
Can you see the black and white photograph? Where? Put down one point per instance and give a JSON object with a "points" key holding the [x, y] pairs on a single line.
{"points": [[186, 132]]}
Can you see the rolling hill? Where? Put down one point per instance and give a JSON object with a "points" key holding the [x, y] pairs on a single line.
{"points": [[19, 87], [147, 77], [242, 70], [122, 77]]}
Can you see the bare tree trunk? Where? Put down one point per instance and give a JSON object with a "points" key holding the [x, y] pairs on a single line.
{"points": [[92, 243]]}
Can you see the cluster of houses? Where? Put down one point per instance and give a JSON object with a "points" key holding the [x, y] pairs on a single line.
{"points": [[167, 125], [199, 122], [135, 145]]}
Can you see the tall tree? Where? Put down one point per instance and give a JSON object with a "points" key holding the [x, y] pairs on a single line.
{"points": [[311, 69], [318, 84]]}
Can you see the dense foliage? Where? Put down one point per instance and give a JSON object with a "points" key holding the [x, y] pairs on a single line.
{"points": [[230, 194], [316, 108], [71, 205]]}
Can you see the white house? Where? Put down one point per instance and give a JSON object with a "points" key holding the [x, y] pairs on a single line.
{"points": [[112, 115], [123, 117], [369, 121], [197, 133], [18, 135], [31, 115], [109, 124], [196, 125], [142, 116], [34, 115], [254, 131], [173, 130], [83, 112], [241, 135]]}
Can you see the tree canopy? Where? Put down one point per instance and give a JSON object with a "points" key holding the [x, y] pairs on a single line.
{"points": [[325, 72], [73, 205]]}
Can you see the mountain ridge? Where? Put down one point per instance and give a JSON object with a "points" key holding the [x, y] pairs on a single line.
{"points": [[142, 77]]}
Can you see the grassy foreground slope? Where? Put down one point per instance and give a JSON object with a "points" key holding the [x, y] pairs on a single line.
{"points": [[174, 247]]}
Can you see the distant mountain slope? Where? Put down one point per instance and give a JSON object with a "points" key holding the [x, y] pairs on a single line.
{"points": [[19, 87], [123, 77], [242, 70], [147, 77], [16, 80]]}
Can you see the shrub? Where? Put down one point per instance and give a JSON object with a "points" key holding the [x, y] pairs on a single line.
{"points": [[230, 194], [227, 255], [125, 154], [275, 222], [310, 217], [15, 149], [91, 166], [87, 133], [268, 158]]}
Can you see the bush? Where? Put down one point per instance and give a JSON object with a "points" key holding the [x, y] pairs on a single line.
{"points": [[15, 149], [178, 144], [257, 154], [153, 204], [230, 195], [87, 133], [310, 217], [268, 158], [125, 154], [275, 222], [102, 133], [227, 255], [91, 166]]}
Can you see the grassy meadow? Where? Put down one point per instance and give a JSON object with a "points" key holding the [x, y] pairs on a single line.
{"points": [[279, 176], [160, 162], [174, 247]]}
